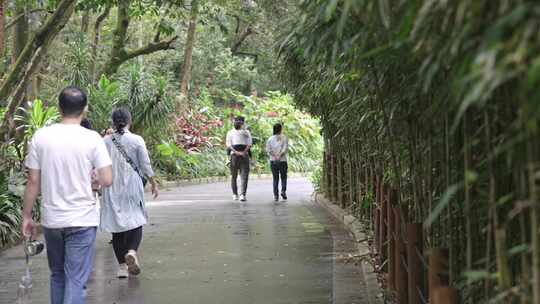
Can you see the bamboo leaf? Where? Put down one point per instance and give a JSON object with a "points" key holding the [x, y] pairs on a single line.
{"points": [[442, 204]]}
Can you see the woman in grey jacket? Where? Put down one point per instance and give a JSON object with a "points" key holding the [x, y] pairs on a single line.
{"points": [[123, 211], [277, 147]]}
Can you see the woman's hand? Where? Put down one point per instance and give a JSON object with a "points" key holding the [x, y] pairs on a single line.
{"points": [[154, 189]]}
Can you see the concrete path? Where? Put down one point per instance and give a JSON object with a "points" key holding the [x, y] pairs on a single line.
{"points": [[203, 247]]}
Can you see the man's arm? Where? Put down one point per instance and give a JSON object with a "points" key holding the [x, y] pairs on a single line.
{"points": [[31, 193], [228, 142], [105, 176]]}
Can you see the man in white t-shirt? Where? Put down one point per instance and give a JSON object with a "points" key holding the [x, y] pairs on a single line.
{"points": [[60, 161], [239, 142]]}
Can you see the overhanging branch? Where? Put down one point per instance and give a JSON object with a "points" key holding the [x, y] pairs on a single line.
{"points": [[151, 48], [18, 17]]}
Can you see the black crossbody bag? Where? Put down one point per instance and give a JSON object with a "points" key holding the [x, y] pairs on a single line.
{"points": [[128, 159]]}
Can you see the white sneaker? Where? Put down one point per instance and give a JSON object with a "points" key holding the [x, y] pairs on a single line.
{"points": [[235, 197], [122, 271], [242, 198], [133, 263]]}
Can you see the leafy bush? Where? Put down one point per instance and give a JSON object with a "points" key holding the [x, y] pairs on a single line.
{"points": [[305, 141], [193, 130], [200, 151], [36, 117], [176, 162], [145, 94], [10, 219]]}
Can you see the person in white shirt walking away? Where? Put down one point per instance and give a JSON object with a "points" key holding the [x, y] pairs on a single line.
{"points": [[60, 161], [277, 147], [239, 142]]}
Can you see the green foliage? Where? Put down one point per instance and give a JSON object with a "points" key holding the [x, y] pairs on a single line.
{"points": [[146, 95], [316, 178], [439, 100], [176, 162], [305, 142], [36, 117], [102, 97], [10, 219], [261, 114], [77, 60]]}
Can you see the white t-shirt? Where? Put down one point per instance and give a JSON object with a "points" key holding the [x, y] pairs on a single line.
{"points": [[66, 154], [238, 137], [277, 144]]}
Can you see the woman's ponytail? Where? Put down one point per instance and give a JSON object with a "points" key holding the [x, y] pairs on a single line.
{"points": [[121, 118]]}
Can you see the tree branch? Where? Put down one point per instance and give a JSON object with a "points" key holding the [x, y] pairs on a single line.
{"points": [[119, 53], [151, 48], [16, 18], [43, 39], [7, 126], [241, 39]]}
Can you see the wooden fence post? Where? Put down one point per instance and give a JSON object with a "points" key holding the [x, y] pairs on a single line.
{"points": [[415, 279], [438, 270], [383, 251], [331, 176], [391, 248], [400, 257], [377, 227], [334, 177], [339, 193], [445, 295]]}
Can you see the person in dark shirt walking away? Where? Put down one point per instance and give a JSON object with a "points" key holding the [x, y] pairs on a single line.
{"points": [[239, 142], [277, 147]]}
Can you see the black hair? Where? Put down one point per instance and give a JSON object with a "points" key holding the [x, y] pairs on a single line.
{"points": [[238, 122], [121, 118], [72, 101], [85, 123], [277, 128]]}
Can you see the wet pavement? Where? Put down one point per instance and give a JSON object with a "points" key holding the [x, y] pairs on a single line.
{"points": [[203, 247]]}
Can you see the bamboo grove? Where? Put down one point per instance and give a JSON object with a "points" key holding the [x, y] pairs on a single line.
{"points": [[439, 100]]}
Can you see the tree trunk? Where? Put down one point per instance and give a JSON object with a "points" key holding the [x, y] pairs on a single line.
{"points": [[95, 42], [20, 31], [2, 26], [119, 53], [240, 39], [85, 21], [15, 98], [188, 51], [40, 41]]}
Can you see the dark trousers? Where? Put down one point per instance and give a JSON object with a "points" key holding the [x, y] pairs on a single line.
{"points": [[124, 241], [279, 170], [239, 164]]}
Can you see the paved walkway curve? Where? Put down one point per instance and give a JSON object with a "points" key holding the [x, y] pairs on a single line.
{"points": [[202, 247]]}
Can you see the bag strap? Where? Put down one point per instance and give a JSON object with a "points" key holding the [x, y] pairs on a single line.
{"points": [[126, 156]]}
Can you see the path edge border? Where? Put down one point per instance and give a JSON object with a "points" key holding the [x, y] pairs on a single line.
{"points": [[217, 179], [354, 226]]}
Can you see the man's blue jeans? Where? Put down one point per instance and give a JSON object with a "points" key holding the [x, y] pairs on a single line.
{"points": [[70, 252]]}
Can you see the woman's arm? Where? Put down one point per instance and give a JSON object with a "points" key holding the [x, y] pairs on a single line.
{"points": [[284, 147], [145, 166]]}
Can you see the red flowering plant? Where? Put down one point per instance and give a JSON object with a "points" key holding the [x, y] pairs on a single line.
{"points": [[194, 131]]}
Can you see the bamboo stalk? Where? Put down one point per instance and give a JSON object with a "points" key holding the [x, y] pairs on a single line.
{"points": [[492, 213], [467, 165], [502, 259], [533, 197]]}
